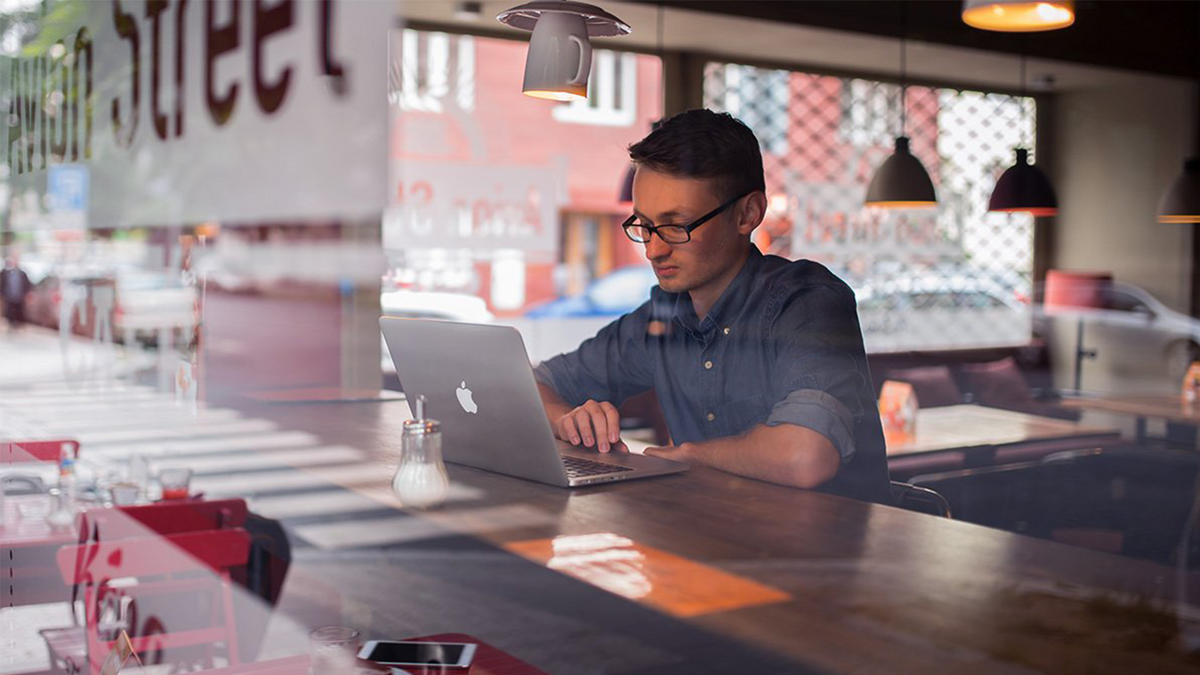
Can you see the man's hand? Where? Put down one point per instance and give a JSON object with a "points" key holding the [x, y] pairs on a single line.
{"points": [[678, 453], [785, 454], [595, 424]]}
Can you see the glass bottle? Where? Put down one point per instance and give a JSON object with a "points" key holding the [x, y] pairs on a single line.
{"points": [[421, 480], [63, 511]]}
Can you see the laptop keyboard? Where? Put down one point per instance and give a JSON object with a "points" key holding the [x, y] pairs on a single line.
{"points": [[581, 468]]}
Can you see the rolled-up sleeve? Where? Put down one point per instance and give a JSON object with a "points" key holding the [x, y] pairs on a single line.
{"points": [[612, 366], [820, 365], [817, 410]]}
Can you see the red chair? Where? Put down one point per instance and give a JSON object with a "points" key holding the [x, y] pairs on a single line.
{"points": [[16, 452], [99, 526], [162, 518], [184, 565]]}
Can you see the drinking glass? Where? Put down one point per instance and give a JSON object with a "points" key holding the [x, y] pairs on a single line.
{"points": [[333, 650], [175, 482]]}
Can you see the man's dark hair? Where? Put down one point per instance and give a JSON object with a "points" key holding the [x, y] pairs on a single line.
{"points": [[704, 144]]}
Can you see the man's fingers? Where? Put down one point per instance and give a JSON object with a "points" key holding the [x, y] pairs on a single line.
{"points": [[658, 451], [567, 430], [594, 424], [583, 420], [600, 424], [614, 422]]}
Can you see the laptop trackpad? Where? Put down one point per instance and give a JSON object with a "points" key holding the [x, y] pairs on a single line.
{"points": [[619, 458]]}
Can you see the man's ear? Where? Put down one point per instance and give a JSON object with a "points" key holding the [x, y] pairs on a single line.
{"points": [[753, 211]]}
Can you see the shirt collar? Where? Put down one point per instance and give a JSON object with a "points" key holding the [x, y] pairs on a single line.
{"points": [[735, 295]]}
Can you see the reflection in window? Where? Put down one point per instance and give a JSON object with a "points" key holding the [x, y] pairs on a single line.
{"points": [[870, 113], [433, 66], [498, 211], [759, 98], [823, 137], [612, 92]]}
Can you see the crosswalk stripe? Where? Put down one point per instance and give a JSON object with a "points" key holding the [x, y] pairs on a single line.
{"points": [[183, 431], [289, 480], [270, 459], [203, 446]]}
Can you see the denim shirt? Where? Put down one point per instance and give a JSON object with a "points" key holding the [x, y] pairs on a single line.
{"points": [[782, 345]]}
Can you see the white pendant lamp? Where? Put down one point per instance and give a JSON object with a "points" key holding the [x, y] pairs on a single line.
{"points": [[1018, 16], [902, 182], [559, 59]]}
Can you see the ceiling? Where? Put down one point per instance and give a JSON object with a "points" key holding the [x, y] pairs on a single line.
{"points": [[1154, 36], [1113, 43]]}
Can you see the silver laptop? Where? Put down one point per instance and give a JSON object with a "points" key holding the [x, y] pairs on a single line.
{"points": [[478, 384]]}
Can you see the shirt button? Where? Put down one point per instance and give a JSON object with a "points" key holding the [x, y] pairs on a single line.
{"points": [[708, 365], [711, 417], [727, 330]]}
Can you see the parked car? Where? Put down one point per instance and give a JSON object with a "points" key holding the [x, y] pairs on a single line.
{"points": [[1133, 331], [561, 325], [142, 303], [409, 304], [620, 291], [939, 312], [148, 302]]}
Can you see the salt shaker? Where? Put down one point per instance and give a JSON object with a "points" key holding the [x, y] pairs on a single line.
{"points": [[421, 480]]}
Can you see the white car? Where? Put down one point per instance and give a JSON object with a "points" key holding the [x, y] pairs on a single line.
{"points": [[1134, 332], [411, 304], [930, 312]]}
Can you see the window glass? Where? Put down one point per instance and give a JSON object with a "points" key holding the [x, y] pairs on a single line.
{"points": [[504, 206], [823, 138]]}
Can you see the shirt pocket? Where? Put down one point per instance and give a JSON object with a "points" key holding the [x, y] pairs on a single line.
{"points": [[738, 416]]}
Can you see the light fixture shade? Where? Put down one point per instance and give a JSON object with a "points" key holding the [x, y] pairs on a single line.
{"points": [[901, 182], [1018, 16], [1181, 202], [599, 22], [559, 59], [625, 196], [1023, 188]]}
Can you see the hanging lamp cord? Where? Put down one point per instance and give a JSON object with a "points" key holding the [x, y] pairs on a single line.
{"points": [[1196, 76], [662, 60], [903, 67], [1021, 101]]}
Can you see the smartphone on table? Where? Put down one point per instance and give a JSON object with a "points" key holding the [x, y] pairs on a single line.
{"points": [[429, 656]]}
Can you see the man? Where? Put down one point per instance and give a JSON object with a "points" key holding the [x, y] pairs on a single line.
{"points": [[757, 361], [14, 286]]}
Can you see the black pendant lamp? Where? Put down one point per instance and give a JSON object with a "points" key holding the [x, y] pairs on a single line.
{"points": [[902, 182], [1181, 202], [625, 197], [1024, 188]]}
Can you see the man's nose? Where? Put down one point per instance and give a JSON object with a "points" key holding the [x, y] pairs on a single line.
{"points": [[657, 248]]}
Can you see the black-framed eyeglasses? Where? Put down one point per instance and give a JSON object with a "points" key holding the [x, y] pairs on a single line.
{"points": [[672, 234]]}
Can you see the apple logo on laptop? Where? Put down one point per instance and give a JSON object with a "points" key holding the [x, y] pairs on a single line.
{"points": [[465, 400]]}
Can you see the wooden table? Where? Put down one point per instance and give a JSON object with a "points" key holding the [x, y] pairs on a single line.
{"points": [[980, 430], [1142, 406], [858, 588], [488, 661]]}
